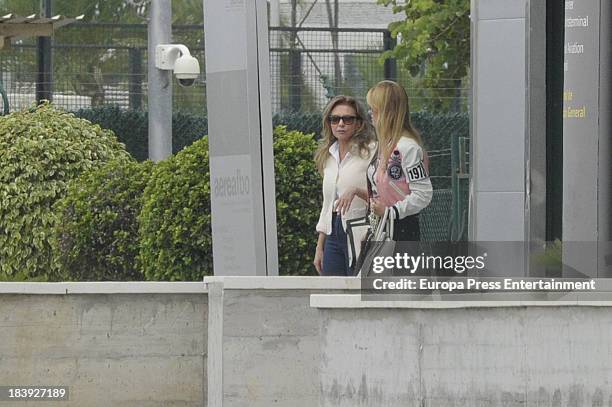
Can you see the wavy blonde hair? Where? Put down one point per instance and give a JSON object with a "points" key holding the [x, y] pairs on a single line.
{"points": [[362, 137], [390, 100]]}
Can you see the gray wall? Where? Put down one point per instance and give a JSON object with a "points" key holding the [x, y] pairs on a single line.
{"points": [[499, 120], [587, 148], [112, 345], [264, 340], [494, 356]]}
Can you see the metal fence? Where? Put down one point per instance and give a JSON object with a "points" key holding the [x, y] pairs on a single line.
{"points": [[310, 65], [97, 64], [105, 63]]}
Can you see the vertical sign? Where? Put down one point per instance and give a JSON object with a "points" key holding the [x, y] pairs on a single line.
{"points": [[240, 138], [582, 132]]}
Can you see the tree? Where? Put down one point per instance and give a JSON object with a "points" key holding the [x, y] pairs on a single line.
{"points": [[433, 43]]}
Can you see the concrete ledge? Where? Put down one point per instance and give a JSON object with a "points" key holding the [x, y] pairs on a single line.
{"points": [[354, 301], [104, 288], [263, 339], [286, 283]]}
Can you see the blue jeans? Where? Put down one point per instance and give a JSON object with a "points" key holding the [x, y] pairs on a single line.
{"points": [[335, 251]]}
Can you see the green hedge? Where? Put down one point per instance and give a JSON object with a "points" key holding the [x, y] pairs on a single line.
{"points": [[97, 235], [131, 128], [175, 222], [41, 150], [175, 232], [298, 200]]}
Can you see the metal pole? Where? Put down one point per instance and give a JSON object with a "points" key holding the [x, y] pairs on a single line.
{"points": [[390, 67], [160, 83], [455, 214], [44, 80], [275, 13], [295, 64], [135, 78], [275, 62], [555, 36]]}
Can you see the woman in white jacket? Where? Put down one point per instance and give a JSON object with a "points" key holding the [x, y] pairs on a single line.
{"points": [[346, 148], [400, 174]]}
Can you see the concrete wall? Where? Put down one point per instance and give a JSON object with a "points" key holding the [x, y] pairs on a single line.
{"points": [[289, 342], [264, 340], [112, 344], [465, 354]]}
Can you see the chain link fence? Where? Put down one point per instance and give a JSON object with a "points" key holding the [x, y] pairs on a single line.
{"points": [[105, 64], [97, 64], [311, 65]]}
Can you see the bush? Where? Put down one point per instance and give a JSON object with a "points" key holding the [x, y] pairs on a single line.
{"points": [[175, 232], [97, 235], [41, 150], [175, 228], [298, 200]]}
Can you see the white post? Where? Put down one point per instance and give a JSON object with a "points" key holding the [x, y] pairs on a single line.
{"points": [[159, 83], [240, 138]]}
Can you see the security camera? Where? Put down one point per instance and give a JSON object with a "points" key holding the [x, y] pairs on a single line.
{"points": [[176, 57]]}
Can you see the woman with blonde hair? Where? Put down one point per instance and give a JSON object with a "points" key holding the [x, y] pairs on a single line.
{"points": [[399, 176], [343, 156]]}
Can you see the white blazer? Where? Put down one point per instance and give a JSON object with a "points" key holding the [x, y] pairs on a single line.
{"points": [[338, 177]]}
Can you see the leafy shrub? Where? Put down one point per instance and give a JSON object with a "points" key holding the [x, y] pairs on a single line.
{"points": [[298, 200], [41, 150], [175, 232], [97, 235], [175, 228]]}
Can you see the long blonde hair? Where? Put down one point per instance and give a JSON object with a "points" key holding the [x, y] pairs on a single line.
{"points": [[362, 137], [390, 100]]}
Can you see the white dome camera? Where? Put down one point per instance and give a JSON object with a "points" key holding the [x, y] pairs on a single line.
{"points": [[176, 57]]}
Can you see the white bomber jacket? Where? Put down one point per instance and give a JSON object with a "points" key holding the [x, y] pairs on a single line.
{"points": [[412, 171]]}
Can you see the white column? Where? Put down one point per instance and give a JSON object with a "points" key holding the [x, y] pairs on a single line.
{"points": [[240, 138]]}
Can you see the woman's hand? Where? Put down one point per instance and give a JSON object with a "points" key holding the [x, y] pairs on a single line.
{"points": [[318, 259], [344, 201], [377, 207]]}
